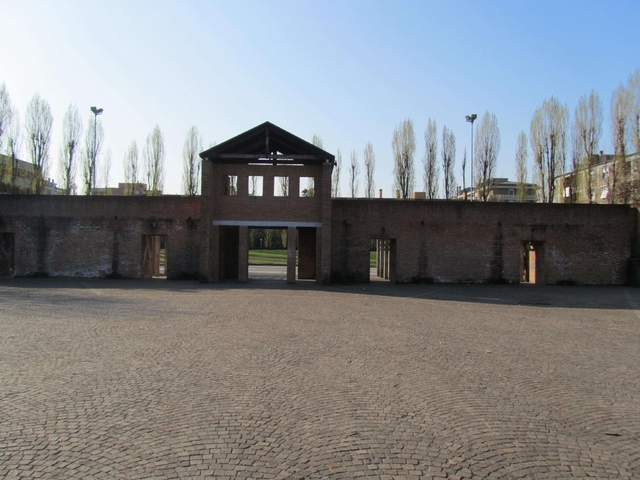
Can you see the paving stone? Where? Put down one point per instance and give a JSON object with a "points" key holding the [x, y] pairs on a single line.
{"points": [[152, 379]]}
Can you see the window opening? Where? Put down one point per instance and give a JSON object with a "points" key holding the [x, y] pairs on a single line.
{"points": [[280, 186], [255, 185], [231, 185], [307, 187]]}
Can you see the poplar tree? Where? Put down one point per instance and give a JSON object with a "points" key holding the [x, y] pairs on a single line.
{"points": [[154, 154], [38, 125], [70, 148], [403, 145], [429, 161], [369, 167]]}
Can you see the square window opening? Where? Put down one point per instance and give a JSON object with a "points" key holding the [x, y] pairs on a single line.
{"points": [[280, 186], [230, 185], [255, 185], [307, 187]]}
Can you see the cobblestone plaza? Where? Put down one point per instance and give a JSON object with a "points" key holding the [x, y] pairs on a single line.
{"points": [[156, 379]]}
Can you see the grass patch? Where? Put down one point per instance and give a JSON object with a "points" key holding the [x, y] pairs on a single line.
{"points": [[279, 257], [269, 257]]}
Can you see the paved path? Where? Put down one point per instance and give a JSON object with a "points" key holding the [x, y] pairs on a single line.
{"points": [[157, 379]]}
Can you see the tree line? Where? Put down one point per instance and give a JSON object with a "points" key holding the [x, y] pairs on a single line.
{"points": [[80, 153], [551, 136]]}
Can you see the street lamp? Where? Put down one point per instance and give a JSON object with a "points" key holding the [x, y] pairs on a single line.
{"points": [[470, 119], [96, 112]]}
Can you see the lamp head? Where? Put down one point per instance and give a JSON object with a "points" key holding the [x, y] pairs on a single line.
{"points": [[96, 111], [471, 118]]}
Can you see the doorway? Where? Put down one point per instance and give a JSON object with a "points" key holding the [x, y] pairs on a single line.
{"points": [[6, 254], [531, 253], [382, 259], [154, 256]]}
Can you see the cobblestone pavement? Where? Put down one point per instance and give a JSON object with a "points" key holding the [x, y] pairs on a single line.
{"points": [[157, 379]]}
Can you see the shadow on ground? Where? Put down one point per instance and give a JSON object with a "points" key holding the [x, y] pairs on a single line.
{"points": [[548, 296]]}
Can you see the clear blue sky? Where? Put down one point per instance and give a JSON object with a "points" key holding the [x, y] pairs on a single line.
{"points": [[348, 71]]}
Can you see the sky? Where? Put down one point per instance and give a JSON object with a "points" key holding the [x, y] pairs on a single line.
{"points": [[347, 71]]}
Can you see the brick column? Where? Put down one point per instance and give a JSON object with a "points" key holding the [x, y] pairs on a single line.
{"points": [[323, 276], [243, 254], [214, 252], [206, 266], [291, 254]]}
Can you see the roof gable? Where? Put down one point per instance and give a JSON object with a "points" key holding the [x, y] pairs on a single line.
{"points": [[266, 143]]}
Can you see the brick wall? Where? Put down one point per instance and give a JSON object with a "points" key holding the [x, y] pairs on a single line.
{"points": [[267, 207], [432, 241], [99, 236], [448, 241]]}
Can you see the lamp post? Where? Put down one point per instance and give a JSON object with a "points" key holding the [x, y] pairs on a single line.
{"points": [[470, 119], [96, 112]]}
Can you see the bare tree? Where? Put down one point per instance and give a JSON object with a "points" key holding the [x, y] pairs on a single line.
{"points": [[69, 150], [354, 171], [39, 122], [14, 146], [369, 167], [131, 168], [588, 123], [93, 139], [548, 142], [621, 110], [487, 147], [5, 113], [335, 180], [576, 156], [634, 88], [521, 167], [430, 159], [317, 141], [191, 160], [404, 149], [106, 170], [448, 161], [464, 170], [154, 155]]}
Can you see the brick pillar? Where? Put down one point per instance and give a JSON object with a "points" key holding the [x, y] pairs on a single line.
{"points": [[243, 254], [291, 254], [324, 275], [214, 252], [207, 235], [378, 259]]}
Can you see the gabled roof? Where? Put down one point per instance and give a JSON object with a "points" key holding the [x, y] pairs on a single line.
{"points": [[267, 143]]}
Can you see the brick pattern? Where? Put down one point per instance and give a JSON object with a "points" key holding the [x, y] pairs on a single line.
{"points": [[99, 236], [483, 242], [159, 380], [433, 241], [267, 207]]}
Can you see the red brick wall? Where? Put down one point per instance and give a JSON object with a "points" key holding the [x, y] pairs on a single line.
{"points": [[439, 241], [99, 236], [449, 241], [267, 207]]}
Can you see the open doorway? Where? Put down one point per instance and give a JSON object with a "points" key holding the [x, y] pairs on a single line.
{"points": [[268, 253], [382, 260], [154, 256], [6, 254], [531, 254]]}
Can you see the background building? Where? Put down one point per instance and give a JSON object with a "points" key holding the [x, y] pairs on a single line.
{"points": [[613, 180], [18, 176]]}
